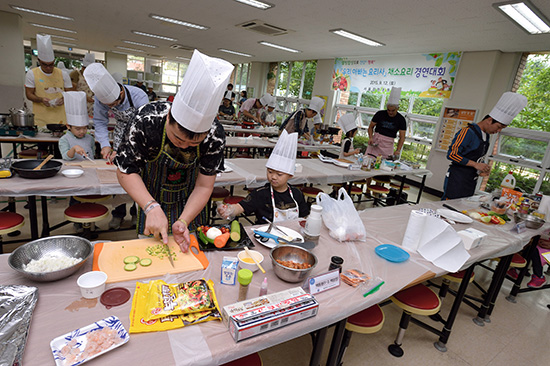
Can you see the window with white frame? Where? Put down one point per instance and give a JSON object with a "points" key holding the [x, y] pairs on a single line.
{"points": [[166, 75]]}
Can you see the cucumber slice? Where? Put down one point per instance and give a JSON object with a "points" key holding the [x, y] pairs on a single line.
{"points": [[130, 267], [145, 262], [131, 259]]}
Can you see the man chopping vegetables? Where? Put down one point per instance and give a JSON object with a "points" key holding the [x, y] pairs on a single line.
{"points": [[471, 143], [169, 158]]}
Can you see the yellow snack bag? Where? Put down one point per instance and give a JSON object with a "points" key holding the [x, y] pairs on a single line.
{"points": [[138, 323], [177, 299]]}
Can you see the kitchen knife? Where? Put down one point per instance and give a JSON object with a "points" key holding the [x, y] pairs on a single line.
{"points": [[451, 208], [169, 255]]}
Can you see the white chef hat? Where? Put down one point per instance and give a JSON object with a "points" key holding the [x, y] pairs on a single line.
{"points": [[150, 84], [316, 104], [317, 119], [508, 107], [102, 83], [89, 59], [395, 96], [273, 102], [76, 108], [61, 65], [228, 95], [117, 76], [44, 48], [265, 99], [283, 157], [196, 103], [139, 77], [347, 122]]}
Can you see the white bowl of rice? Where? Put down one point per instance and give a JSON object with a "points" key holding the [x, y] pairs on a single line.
{"points": [[51, 258]]}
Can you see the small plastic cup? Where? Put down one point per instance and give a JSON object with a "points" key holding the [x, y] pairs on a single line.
{"points": [[92, 284]]}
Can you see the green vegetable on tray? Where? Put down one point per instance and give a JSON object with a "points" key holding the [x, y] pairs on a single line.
{"points": [[502, 216]]}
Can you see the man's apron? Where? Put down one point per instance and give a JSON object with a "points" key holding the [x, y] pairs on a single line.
{"points": [[170, 178], [384, 146], [49, 87], [123, 119], [461, 180], [288, 214]]}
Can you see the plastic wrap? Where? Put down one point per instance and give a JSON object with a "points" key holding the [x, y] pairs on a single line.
{"points": [[16, 308]]}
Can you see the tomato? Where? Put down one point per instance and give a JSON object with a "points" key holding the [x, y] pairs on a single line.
{"points": [[495, 220], [483, 214]]}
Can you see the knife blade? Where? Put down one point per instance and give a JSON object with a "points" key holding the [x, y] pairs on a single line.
{"points": [[87, 157], [451, 208], [169, 254]]}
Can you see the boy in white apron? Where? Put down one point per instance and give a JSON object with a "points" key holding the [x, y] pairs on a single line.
{"points": [[276, 200]]}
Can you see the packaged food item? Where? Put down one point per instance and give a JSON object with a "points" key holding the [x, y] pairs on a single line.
{"points": [[229, 270], [177, 299], [354, 277], [138, 324]]}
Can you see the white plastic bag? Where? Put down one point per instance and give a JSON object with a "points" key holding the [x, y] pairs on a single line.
{"points": [[341, 217]]}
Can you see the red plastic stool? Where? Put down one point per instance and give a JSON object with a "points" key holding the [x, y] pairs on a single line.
{"points": [[9, 222], [367, 321], [418, 300], [382, 179], [310, 192], [233, 200], [219, 194], [31, 153], [250, 360], [452, 277], [93, 198], [86, 214]]}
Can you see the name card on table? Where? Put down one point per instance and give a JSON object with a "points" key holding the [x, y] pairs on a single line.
{"points": [[323, 282]]}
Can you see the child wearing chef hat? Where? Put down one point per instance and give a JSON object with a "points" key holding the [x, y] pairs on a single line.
{"points": [[297, 122], [76, 143], [267, 117], [349, 128], [276, 200]]}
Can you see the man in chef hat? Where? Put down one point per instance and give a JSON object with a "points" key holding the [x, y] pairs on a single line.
{"points": [[80, 84], [123, 102], [298, 121], [139, 82], [471, 143], [249, 112], [44, 85], [276, 200], [385, 126], [171, 153]]}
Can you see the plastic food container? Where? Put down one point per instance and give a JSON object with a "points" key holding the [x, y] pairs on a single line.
{"points": [[92, 284], [246, 262]]}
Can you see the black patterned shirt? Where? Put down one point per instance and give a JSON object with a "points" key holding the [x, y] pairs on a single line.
{"points": [[142, 142]]}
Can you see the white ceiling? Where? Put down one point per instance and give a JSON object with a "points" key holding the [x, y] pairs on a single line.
{"points": [[404, 26]]}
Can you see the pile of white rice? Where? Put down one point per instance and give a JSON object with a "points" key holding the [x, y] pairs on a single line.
{"points": [[51, 262]]}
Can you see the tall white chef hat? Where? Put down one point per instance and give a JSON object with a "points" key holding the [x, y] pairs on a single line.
{"points": [[44, 48], [89, 59], [395, 96], [61, 65], [102, 83], [347, 122], [273, 102], [317, 119], [118, 77], [196, 103], [228, 95], [265, 99], [508, 107], [316, 104], [76, 108], [283, 157], [140, 77], [150, 84]]}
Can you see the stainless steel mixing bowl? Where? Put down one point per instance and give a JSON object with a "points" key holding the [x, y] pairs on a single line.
{"points": [[292, 253]]}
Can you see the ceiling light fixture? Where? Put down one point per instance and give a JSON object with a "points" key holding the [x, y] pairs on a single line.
{"points": [[38, 12], [279, 47], [140, 44], [60, 37], [177, 21], [344, 33], [256, 4], [183, 58], [120, 53], [154, 36], [52, 28], [235, 52], [129, 49], [525, 15]]}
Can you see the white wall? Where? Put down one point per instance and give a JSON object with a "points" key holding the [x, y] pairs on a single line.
{"points": [[481, 79], [115, 62], [322, 85], [257, 78], [12, 59]]}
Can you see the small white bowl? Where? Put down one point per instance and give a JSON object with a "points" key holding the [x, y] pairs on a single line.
{"points": [[243, 256], [92, 284], [72, 173]]}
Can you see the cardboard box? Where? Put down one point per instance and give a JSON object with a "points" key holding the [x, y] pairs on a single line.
{"points": [[472, 238], [262, 314]]}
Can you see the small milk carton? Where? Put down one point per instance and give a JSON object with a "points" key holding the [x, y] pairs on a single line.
{"points": [[472, 238], [229, 270]]}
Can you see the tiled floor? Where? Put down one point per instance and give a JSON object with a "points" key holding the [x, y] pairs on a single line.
{"points": [[517, 334]]}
